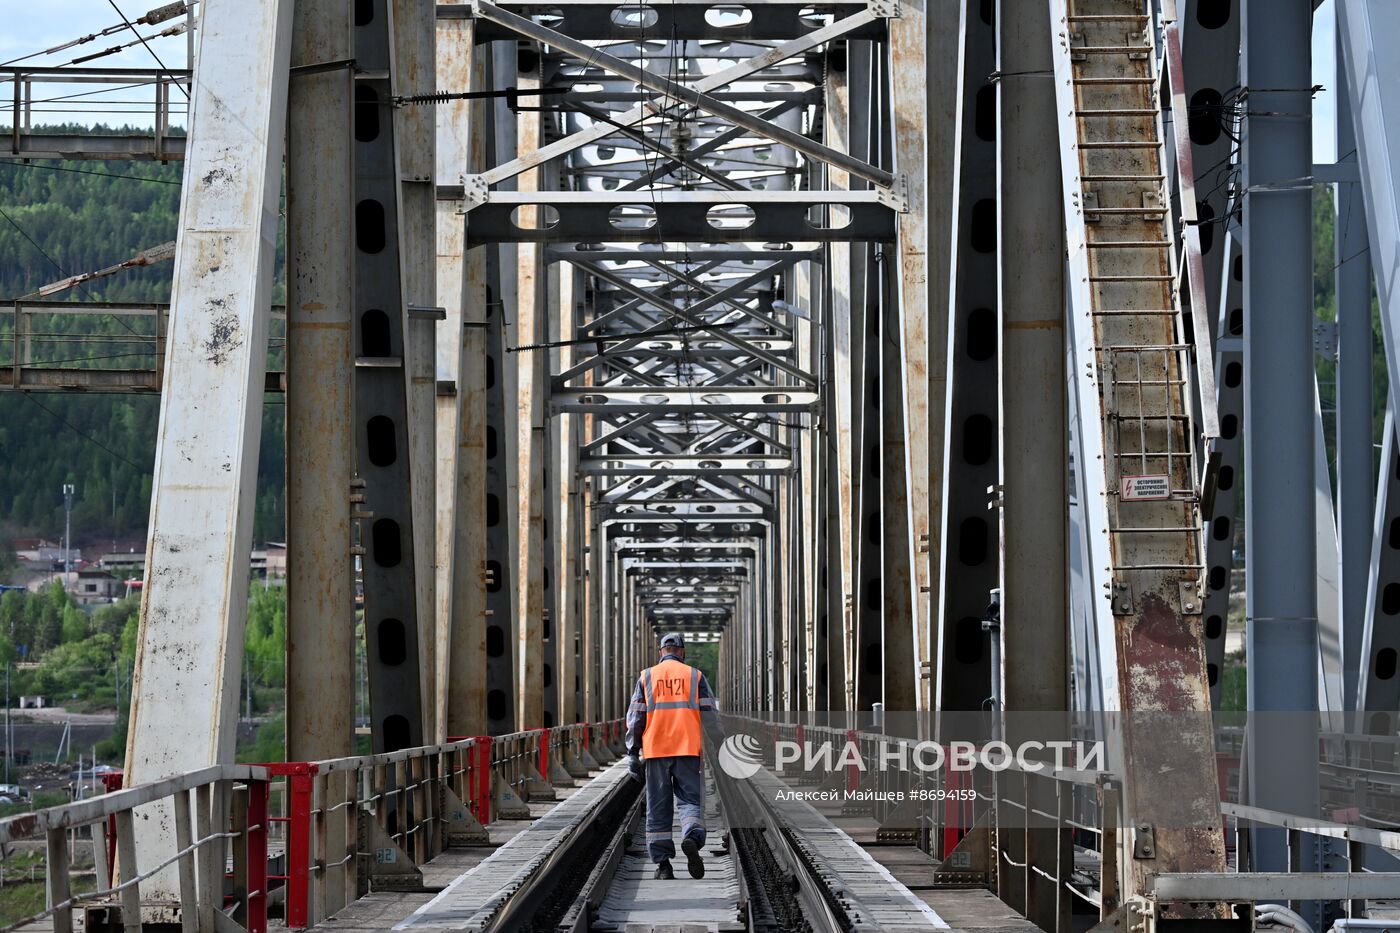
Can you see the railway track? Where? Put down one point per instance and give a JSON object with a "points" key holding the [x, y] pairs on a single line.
{"points": [[770, 868]]}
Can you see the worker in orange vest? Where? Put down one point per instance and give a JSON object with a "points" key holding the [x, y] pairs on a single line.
{"points": [[664, 728]]}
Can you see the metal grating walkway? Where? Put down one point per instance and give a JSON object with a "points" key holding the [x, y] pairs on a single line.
{"points": [[637, 900], [471, 901]]}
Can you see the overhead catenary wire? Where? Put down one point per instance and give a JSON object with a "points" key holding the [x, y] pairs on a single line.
{"points": [[83, 171], [29, 396], [177, 30], [168, 72]]}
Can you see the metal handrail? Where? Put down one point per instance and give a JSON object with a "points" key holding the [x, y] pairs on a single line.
{"points": [[82, 812]]}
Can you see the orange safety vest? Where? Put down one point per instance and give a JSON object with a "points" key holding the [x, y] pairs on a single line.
{"points": [[672, 690]]}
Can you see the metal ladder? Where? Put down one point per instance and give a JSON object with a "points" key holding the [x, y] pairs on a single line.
{"points": [[1142, 359], [1135, 376]]}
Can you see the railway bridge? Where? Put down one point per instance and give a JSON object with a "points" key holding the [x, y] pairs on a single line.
{"points": [[921, 356]]}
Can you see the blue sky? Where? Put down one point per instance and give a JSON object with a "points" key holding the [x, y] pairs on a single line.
{"points": [[32, 25]]}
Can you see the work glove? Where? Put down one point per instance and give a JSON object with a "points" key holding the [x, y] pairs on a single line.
{"points": [[634, 769]]}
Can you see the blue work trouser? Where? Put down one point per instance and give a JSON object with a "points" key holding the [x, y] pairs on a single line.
{"points": [[684, 777]]}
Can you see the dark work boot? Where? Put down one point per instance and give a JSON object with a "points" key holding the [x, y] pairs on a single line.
{"points": [[663, 871], [693, 861]]}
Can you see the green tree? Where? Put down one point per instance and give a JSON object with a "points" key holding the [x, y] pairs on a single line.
{"points": [[74, 625], [8, 564], [269, 744], [115, 747], [112, 619], [266, 638]]}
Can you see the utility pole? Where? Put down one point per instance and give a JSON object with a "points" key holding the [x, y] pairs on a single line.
{"points": [[67, 531]]}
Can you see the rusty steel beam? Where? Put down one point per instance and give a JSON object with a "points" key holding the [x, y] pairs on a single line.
{"points": [[1137, 451], [414, 74], [320, 460], [461, 533], [568, 522], [922, 50], [320, 442]]}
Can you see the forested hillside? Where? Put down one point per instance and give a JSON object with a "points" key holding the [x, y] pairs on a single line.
{"points": [[63, 218]]}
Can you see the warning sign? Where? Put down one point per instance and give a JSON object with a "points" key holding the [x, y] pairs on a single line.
{"points": [[1143, 488]]}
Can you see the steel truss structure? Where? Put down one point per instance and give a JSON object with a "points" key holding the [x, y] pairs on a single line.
{"points": [[779, 324]]}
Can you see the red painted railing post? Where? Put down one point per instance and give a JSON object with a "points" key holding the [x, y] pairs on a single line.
{"points": [[299, 847], [543, 764], [300, 777], [480, 779], [257, 857], [953, 823], [111, 781]]}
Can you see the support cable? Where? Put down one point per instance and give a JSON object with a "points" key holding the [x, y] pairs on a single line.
{"points": [[81, 171], [511, 94], [158, 15], [61, 271], [170, 74]]}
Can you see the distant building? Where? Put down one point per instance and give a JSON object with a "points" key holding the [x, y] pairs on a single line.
{"points": [[129, 567], [269, 562], [90, 585], [131, 564], [44, 553], [276, 560]]}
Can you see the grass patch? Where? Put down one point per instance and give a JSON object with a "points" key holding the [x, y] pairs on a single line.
{"points": [[22, 899]]}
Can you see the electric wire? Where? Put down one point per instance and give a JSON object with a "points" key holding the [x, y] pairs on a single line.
{"points": [[29, 396], [82, 171], [170, 74], [61, 271]]}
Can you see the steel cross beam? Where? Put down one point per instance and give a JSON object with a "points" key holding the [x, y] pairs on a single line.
{"points": [[690, 95], [691, 316], [767, 59], [682, 400], [642, 139], [693, 283], [644, 298], [651, 176], [681, 281], [702, 464]]}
